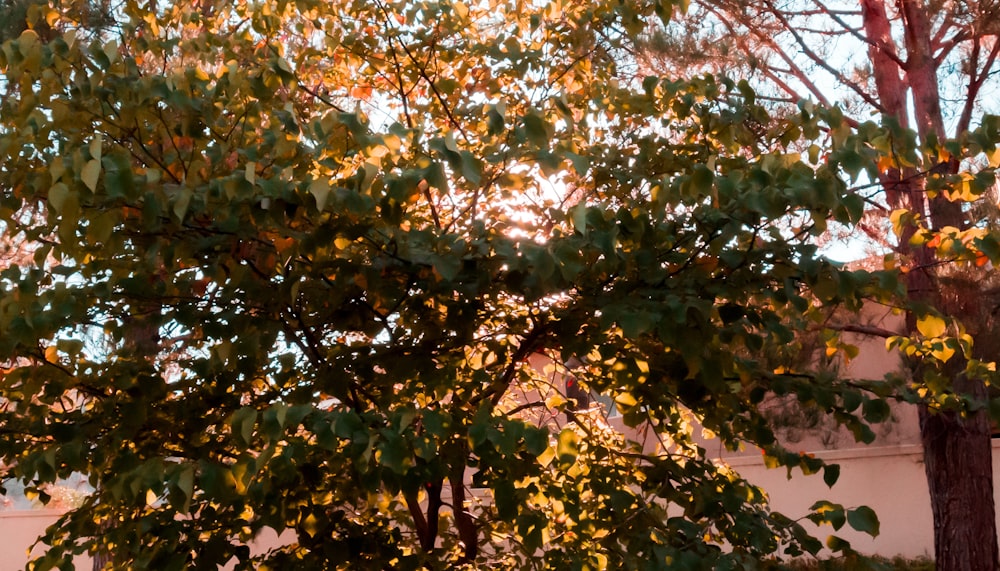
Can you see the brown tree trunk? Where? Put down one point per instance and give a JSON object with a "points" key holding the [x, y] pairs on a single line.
{"points": [[957, 449], [958, 463], [958, 459]]}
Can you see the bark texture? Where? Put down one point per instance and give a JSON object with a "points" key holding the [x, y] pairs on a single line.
{"points": [[957, 460], [957, 448]]}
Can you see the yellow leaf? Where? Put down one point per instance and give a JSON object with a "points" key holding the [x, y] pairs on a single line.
{"points": [[57, 196], [994, 157], [931, 326], [555, 401], [310, 525], [320, 189], [57, 168], [251, 172], [111, 50], [95, 147], [90, 173], [546, 457], [154, 26], [26, 40], [943, 354], [51, 354], [625, 399]]}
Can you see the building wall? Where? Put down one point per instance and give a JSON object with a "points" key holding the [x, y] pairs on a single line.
{"points": [[19, 530]]}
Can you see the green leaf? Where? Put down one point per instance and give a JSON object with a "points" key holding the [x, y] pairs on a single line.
{"points": [[119, 181], [250, 172], [876, 410], [835, 543], [505, 496], [828, 512], [831, 473], [536, 440], [394, 453], [863, 519], [185, 485], [851, 400], [242, 423], [495, 120], [537, 129], [182, 202], [103, 226], [578, 214], [746, 91], [95, 147], [701, 181], [447, 266], [990, 246]]}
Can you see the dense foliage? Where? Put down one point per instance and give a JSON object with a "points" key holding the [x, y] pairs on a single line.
{"points": [[295, 265]]}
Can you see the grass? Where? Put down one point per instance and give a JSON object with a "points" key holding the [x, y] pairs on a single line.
{"points": [[873, 563]]}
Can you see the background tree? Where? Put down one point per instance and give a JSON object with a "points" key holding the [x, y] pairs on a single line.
{"points": [[925, 66], [321, 242], [90, 17]]}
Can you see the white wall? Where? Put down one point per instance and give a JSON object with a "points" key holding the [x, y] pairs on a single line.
{"points": [[19, 530], [889, 480]]}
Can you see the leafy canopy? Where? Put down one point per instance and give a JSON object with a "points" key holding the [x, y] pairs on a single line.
{"points": [[296, 265]]}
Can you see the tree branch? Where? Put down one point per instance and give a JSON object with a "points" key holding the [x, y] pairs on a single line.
{"points": [[821, 61], [464, 523], [863, 329], [528, 345], [888, 49], [975, 84]]}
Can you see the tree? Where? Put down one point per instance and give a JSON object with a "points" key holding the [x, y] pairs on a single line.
{"points": [[90, 17], [923, 66], [320, 242]]}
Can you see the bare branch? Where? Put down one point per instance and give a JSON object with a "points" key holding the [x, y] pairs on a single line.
{"points": [[946, 47], [819, 60], [887, 48], [793, 69], [976, 83], [863, 329]]}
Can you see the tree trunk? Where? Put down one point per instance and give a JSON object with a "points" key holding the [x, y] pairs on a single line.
{"points": [[957, 450], [959, 467]]}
